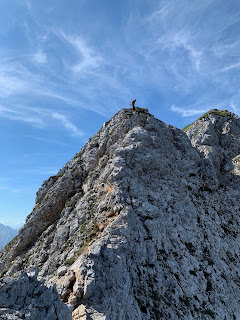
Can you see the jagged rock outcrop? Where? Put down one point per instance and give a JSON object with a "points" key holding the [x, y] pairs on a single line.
{"points": [[143, 223], [216, 135], [25, 297]]}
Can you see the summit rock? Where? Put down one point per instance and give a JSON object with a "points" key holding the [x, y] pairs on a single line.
{"points": [[142, 224]]}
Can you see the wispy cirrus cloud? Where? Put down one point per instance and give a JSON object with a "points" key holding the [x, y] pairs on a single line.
{"points": [[19, 80], [7, 188], [42, 170], [186, 57], [39, 57], [234, 66], [180, 56], [51, 141], [193, 54], [87, 57], [39, 117], [184, 112], [28, 5], [234, 103], [68, 124], [31, 115]]}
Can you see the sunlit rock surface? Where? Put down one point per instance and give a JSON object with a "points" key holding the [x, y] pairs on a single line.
{"points": [[143, 223]]}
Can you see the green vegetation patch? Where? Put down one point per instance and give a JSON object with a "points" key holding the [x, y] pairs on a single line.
{"points": [[70, 261], [222, 113], [141, 110], [70, 203], [211, 111], [189, 125], [89, 230]]}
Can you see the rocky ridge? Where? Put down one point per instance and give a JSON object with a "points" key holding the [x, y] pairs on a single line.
{"points": [[143, 223]]}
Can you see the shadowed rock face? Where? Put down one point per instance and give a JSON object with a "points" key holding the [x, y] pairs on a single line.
{"points": [[27, 298], [143, 223]]}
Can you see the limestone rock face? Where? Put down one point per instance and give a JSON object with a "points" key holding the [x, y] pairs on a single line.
{"points": [[216, 135], [27, 298], [142, 224]]}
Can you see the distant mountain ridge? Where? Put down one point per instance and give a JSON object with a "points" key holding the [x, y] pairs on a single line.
{"points": [[6, 234]]}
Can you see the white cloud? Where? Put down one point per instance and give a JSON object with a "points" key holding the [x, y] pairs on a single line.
{"points": [[162, 13], [67, 124], [233, 66], [39, 57], [46, 140], [170, 50], [12, 85], [15, 79], [18, 81], [235, 108], [45, 171], [182, 39], [235, 102], [38, 117], [6, 188], [28, 5], [33, 116], [87, 56], [188, 112]]}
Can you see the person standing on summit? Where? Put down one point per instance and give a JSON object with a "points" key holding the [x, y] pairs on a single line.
{"points": [[133, 104]]}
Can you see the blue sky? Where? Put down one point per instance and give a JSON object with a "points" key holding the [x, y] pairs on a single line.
{"points": [[68, 66]]}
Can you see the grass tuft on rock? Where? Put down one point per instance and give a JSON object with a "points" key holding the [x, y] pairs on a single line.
{"points": [[222, 113]]}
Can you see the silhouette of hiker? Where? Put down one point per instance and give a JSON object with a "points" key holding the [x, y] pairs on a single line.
{"points": [[133, 104]]}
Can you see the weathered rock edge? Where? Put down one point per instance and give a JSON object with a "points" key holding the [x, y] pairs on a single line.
{"points": [[25, 297]]}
